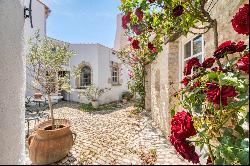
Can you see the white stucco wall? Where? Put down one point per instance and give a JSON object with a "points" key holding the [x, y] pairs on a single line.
{"points": [[105, 57], [39, 23], [98, 57], [12, 83]]}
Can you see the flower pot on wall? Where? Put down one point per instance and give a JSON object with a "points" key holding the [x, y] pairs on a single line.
{"points": [[47, 146], [125, 101], [95, 103], [38, 95]]}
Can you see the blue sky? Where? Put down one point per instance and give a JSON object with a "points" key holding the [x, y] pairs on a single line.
{"points": [[83, 21]]}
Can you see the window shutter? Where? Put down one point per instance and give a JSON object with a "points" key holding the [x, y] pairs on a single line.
{"points": [[77, 82]]}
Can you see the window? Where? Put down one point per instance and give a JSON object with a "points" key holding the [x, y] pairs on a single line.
{"points": [[115, 75], [85, 78], [194, 48]]}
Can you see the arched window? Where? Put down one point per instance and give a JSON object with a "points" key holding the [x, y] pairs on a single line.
{"points": [[85, 78]]}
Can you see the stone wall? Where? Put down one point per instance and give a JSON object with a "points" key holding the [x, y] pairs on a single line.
{"points": [[166, 71]]}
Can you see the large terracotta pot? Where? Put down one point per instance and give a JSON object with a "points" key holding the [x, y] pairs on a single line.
{"points": [[47, 146]]}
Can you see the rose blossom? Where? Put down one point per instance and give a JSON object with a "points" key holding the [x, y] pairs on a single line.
{"points": [[130, 39], [213, 93], [243, 63], [208, 62], [194, 62], [240, 46], [228, 47], [197, 84], [187, 151], [152, 48], [135, 44], [178, 10], [126, 19], [139, 14], [131, 74], [240, 21], [185, 81], [182, 126], [136, 29]]}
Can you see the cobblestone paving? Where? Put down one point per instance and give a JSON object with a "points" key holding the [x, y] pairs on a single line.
{"points": [[114, 138]]}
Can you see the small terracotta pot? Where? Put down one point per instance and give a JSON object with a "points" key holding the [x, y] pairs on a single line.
{"points": [[95, 103], [38, 95], [48, 146]]}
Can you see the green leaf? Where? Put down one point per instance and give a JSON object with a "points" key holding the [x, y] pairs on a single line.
{"points": [[219, 161], [239, 129], [212, 75]]}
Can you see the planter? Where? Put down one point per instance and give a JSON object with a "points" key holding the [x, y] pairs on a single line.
{"points": [[38, 95], [95, 103], [125, 101], [47, 146]]}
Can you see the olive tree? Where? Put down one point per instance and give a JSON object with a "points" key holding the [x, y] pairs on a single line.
{"points": [[44, 62]]}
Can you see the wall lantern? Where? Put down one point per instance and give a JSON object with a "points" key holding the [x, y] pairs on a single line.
{"points": [[29, 15]]}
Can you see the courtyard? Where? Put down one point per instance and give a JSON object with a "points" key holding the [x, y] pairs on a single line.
{"points": [[114, 135]]}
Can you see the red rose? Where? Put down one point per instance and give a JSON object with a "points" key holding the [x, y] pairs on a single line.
{"points": [[243, 63], [240, 46], [185, 81], [197, 84], [194, 62], [151, 1], [182, 126], [228, 47], [178, 10], [152, 48], [213, 93], [125, 20], [130, 39], [240, 21], [136, 29], [187, 151], [208, 62], [135, 44], [139, 14]]}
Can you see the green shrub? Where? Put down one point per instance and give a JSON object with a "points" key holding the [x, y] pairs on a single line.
{"points": [[127, 95]]}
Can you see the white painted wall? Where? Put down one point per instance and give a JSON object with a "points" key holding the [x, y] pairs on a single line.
{"points": [[105, 57], [12, 83], [99, 57], [39, 23]]}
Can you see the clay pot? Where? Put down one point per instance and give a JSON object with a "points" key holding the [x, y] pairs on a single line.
{"points": [[38, 95], [47, 146], [95, 103]]}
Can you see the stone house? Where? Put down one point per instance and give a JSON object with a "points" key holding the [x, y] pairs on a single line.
{"points": [[99, 65], [166, 72]]}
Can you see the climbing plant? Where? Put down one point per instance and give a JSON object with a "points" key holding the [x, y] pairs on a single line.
{"points": [[215, 97], [149, 24]]}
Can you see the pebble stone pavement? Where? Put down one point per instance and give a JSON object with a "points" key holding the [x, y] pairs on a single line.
{"points": [[114, 138]]}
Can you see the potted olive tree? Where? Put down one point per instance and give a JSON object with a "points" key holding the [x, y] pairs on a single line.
{"points": [[44, 62], [92, 93]]}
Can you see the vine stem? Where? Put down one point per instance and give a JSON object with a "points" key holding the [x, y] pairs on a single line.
{"points": [[210, 151]]}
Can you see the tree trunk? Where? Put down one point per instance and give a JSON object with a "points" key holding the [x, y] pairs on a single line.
{"points": [[51, 112]]}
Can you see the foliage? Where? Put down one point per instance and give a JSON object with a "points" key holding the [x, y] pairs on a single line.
{"points": [[92, 92], [127, 95], [149, 24], [217, 98], [44, 62], [214, 96], [110, 106]]}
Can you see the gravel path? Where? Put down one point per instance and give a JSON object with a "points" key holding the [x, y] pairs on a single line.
{"points": [[114, 137]]}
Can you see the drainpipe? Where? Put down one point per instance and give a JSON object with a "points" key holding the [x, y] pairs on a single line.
{"points": [[12, 83]]}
